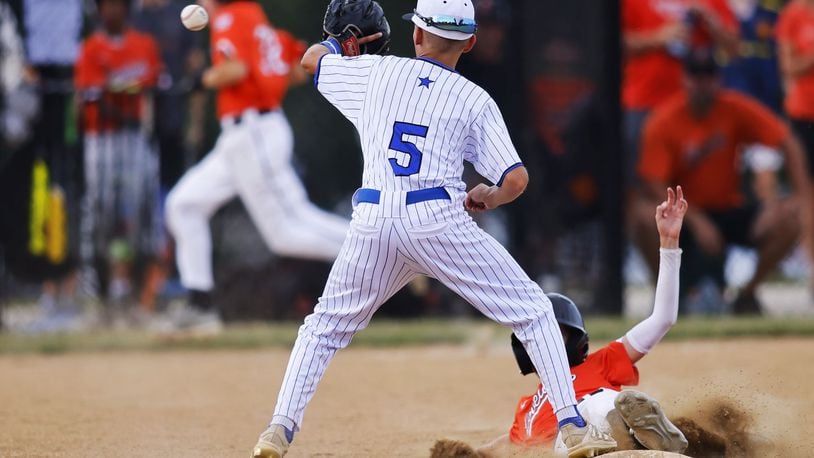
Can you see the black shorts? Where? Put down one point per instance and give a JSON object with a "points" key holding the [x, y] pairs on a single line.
{"points": [[735, 226], [804, 129]]}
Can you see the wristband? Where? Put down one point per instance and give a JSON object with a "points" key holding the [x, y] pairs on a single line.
{"points": [[333, 45]]}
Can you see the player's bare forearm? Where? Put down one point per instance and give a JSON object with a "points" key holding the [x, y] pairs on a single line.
{"points": [[297, 76], [726, 39], [793, 65], [483, 197], [224, 74], [642, 42], [797, 165], [638, 43], [310, 59]]}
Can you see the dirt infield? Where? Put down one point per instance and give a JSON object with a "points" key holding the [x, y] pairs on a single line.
{"points": [[373, 402]]}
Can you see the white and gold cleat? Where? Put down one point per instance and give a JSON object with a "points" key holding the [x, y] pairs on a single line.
{"points": [[272, 443], [586, 441], [648, 423]]}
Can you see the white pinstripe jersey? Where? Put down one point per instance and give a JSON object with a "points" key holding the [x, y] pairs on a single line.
{"points": [[418, 120]]}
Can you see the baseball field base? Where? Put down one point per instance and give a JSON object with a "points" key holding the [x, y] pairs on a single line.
{"points": [[643, 454]]}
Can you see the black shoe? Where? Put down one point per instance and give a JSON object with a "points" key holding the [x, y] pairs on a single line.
{"points": [[747, 304]]}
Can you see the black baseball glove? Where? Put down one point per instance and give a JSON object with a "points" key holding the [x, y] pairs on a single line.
{"points": [[349, 20]]}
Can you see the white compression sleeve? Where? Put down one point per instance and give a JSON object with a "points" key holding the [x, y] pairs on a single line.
{"points": [[645, 335]]}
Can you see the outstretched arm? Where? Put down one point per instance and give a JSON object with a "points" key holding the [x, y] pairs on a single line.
{"points": [[484, 197], [645, 335], [227, 73], [310, 60]]}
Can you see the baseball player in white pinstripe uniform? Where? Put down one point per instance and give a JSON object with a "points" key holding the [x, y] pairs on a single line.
{"points": [[418, 121]]}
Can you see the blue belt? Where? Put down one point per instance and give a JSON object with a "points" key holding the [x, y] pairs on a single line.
{"points": [[372, 196]]}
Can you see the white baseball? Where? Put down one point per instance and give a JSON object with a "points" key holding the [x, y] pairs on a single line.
{"points": [[194, 17]]}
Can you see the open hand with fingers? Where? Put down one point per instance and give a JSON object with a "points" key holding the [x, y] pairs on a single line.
{"points": [[670, 216]]}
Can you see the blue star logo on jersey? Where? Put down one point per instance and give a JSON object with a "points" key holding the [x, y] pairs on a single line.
{"points": [[425, 82]]}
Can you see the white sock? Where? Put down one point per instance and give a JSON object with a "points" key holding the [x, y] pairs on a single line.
{"points": [[282, 420], [568, 412]]}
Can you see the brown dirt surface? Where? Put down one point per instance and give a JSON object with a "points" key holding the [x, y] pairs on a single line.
{"points": [[375, 402]]}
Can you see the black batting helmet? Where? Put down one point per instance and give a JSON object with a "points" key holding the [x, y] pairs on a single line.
{"points": [[363, 18], [568, 316]]}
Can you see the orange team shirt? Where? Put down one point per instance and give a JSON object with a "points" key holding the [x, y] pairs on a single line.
{"points": [[654, 76], [795, 27], [703, 155], [535, 422], [241, 31], [120, 68]]}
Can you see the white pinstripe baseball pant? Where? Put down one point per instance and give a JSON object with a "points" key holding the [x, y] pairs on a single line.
{"points": [[380, 256], [251, 161]]}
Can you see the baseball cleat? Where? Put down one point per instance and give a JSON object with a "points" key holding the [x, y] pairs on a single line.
{"points": [[183, 320], [586, 441], [647, 422], [271, 444]]}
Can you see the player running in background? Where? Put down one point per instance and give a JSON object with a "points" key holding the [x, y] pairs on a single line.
{"points": [[253, 65], [599, 377], [418, 120], [115, 68]]}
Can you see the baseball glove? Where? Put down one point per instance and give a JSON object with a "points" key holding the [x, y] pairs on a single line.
{"points": [[349, 20]]}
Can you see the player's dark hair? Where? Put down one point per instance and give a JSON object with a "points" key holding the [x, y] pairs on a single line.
{"points": [[443, 45], [701, 62]]}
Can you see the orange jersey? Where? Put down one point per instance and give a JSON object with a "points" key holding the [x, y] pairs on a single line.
{"points": [[703, 155], [610, 367], [241, 31], [795, 27], [654, 76], [112, 72]]}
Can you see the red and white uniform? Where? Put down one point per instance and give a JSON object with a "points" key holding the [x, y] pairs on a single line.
{"points": [[113, 76], [240, 31], [252, 157], [112, 73], [608, 369], [602, 375]]}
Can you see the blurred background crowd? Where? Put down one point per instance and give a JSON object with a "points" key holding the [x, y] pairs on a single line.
{"points": [[715, 95]]}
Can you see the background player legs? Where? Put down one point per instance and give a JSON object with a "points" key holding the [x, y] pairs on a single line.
{"points": [[97, 210], [776, 232], [202, 190], [474, 265], [276, 199], [353, 292]]}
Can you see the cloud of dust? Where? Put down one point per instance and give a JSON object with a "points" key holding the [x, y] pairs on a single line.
{"points": [[739, 426]]}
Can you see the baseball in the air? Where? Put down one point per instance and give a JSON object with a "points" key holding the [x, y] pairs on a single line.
{"points": [[194, 17]]}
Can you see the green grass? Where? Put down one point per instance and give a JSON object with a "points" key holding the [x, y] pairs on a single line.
{"points": [[384, 333], [240, 336], [601, 328]]}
